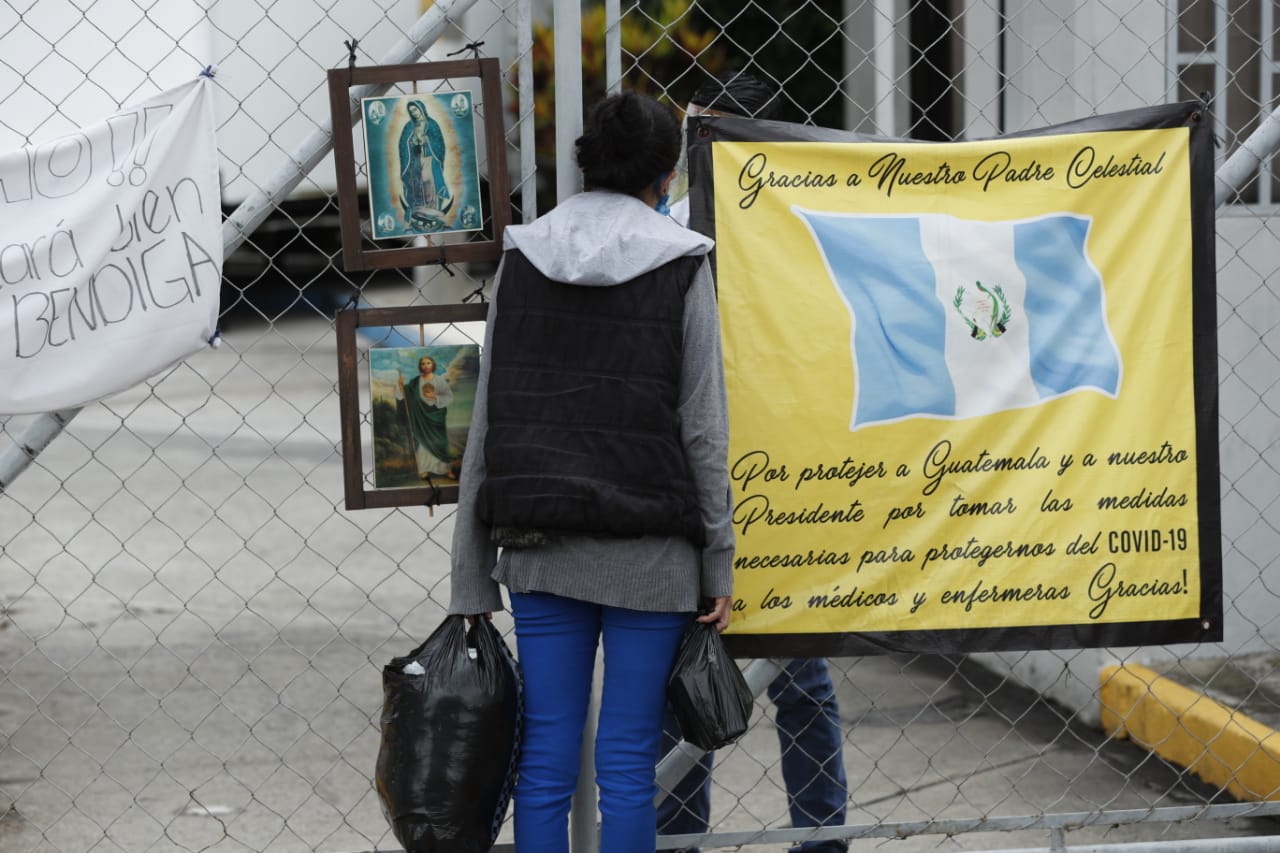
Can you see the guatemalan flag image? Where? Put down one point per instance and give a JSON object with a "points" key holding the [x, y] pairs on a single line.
{"points": [[956, 318]]}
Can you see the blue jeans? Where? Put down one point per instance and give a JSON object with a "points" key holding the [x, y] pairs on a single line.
{"points": [[811, 741], [556, 639]]}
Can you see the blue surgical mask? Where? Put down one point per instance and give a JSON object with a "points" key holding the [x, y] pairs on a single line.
{"points": [[662, 206]]}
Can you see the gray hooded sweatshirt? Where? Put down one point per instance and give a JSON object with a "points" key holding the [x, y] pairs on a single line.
{"points": [[599, 239]]}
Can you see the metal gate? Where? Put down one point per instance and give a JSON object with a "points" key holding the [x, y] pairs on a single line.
{"points": [[192, 626]]}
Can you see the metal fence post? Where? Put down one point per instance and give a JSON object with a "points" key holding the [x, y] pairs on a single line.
{"points": [[568, 95], [1242, 165]]}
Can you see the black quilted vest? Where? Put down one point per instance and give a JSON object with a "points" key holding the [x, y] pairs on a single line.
{"points": [[583, 435]]}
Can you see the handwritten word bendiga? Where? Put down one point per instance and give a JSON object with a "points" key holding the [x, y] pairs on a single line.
{"points": [[55, 303]]}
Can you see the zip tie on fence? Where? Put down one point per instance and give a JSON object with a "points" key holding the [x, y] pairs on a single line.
{"points": [[351, 57], [215, 340], [478, 293], [208, 71], [444, 265], [474, 47], [434, 500]]}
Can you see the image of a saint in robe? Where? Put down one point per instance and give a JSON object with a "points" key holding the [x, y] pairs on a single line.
{"points": [[425, 400]]}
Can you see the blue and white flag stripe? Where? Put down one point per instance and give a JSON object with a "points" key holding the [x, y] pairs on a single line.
{"points": [[956, 318]]}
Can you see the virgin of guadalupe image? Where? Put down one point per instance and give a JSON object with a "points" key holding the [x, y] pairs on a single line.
{"points": [[423, 176], [425, 197]]}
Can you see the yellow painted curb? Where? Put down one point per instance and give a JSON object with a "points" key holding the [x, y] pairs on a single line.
{"points": [[1219, 744]]}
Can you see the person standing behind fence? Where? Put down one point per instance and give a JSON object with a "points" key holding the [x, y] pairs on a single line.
{"points": [[595, 481], [807, 716]]}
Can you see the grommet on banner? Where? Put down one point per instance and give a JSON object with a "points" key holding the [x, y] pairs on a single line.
{"points": [[1206, 99]]}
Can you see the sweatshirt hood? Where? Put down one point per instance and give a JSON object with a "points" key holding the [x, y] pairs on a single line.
{"points": [[603, 238]]}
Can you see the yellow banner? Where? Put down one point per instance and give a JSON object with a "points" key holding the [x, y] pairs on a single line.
{"points": [[960, 381]]}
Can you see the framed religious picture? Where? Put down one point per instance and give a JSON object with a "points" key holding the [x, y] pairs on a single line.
{"points": [[405, 426], [420, 163]]}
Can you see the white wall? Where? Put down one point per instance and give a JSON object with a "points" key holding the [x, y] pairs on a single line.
{"points": [[875, 58], [271, 62], [274, 68], [61, 73]]}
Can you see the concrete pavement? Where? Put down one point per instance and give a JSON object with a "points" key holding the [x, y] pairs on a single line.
{"points": [[943, 744], [215, 684]]}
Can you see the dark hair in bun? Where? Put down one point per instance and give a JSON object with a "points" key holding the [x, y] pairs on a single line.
{"points": [[629, 142]]}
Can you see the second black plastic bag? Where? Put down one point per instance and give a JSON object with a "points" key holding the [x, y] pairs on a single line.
{"points": [[707, 693], [450, 739]]}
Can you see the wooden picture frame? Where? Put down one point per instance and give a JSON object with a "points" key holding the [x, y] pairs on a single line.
{"points": [[391, 199], [355, 478]]}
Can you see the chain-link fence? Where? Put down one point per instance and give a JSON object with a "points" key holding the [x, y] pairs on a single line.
{"points": [[192, 626]]}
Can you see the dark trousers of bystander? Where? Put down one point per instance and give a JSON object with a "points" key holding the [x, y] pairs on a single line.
{"points": [[807, 719]]}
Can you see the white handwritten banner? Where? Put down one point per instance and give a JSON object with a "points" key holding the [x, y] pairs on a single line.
{"points": [[972, 385], [110, 252]]}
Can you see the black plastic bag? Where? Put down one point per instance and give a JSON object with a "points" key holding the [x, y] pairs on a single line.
{"points": [[706, 690], [450, 739]]}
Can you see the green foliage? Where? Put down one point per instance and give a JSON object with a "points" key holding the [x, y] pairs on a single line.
{"points": [[663, 48], [798, 47], [671, 47]]}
